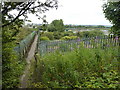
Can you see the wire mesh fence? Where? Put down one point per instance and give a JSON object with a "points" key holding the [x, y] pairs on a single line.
{"points": [[45, 47], [24, 45]]}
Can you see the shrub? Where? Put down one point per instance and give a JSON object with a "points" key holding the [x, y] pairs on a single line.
{"points": [[57, 35], [69, 38], [92, 33], [68, 33], [12, 67], [44, 38], [79, 34], [82, 68], [96, 33], [49, 35], [66, 38], [73, 37]]}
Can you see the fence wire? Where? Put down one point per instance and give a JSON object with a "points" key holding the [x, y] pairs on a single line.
{"points": [[46, 47], [24, 45]]}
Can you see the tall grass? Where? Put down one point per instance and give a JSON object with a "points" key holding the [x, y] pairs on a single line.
{"points": [[81, 68]]}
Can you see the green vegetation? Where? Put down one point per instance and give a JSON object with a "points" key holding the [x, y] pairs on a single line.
{"points": [[23, 9], [12, 67], [44, 38], [81, 68], [95, 27], [56, 26], [69, 37], [112, 11], [13, 33], [57, 35], [23, 32], [68, 33], [12, 64], [90, 33], [48, 34]]}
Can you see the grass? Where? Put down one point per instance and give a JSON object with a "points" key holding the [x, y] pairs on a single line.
{"points": [[81, 68]]}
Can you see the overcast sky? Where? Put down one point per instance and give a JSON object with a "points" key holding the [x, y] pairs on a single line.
{"points": [[80, 12]]}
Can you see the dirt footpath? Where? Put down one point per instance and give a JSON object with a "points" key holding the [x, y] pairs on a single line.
{"points": [[24, 77]]}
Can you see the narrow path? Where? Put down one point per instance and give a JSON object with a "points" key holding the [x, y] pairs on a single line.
{"points": [[24, 77]]}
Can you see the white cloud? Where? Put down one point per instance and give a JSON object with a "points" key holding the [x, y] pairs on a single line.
{"points": [[86, 12]]}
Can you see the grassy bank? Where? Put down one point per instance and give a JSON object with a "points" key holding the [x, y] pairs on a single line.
{"points": [[81, 68]]}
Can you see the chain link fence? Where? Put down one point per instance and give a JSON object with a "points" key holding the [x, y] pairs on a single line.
{"points": [[23, 47], [45, 47]]}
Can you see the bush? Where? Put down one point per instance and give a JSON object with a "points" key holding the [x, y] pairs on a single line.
{"points": [[68, 33], [44, 38], [73, 37], [49, 35], [90, 33], [65, 38], [95, 68], [79, 34], [57, 35], [12, 67], [96, 33], [69, 37]]}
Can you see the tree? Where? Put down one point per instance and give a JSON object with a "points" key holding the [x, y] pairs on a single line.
{"points": [[11, 21], [56, 25], [112, 13], [11, 66], [23, 8], [51, 28]]}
